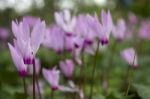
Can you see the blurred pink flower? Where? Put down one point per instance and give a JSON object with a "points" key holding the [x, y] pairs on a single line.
{"points": [[3, 33], [86, 28], [67, 68], [54, 38], [144, 32], [129, 32], [69, 43], [130, 57], [106, 27], [119, 30], [31, 20], [26, 42], [52, 76], [18, 61], [66, 21], [132, 18]]}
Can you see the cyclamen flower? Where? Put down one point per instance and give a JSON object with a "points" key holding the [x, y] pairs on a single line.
{"points": [[3, 33], [85, 27], [54, 38], [67, 68], [31, 20], [132, 18], [119, 30], [144, 32], [66, 21], [106, 27], [18, 61], [52, 76], [26, 42], [130, 57]]}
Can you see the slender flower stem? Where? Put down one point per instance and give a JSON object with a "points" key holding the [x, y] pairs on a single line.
{"points": [[130, 77], [25, 89], [52, 94], [130, 81], [38, 87], [107, 70], [81, 68], [34, 78], [93, 71]]}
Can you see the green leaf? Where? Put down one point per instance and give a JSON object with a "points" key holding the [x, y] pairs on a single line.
{"points": [[115, 95], [19, 96], [142, 90]]}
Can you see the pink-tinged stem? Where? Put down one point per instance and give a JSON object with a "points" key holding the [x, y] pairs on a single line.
{"points": [[93, 71], [38, 87], [25, 89], [34, 77]]}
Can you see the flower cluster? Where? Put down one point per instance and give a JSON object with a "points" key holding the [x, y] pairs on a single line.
{"points": [[72, 34]]}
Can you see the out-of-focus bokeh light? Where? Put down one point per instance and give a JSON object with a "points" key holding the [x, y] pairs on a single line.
{"points": [[100, 2], [66, 4], [20, 6]]}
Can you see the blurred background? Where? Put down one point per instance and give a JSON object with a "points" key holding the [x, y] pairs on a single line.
{"points": [[136, 14]]}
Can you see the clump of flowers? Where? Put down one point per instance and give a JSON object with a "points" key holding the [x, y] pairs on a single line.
{"points": [[69, 36]]}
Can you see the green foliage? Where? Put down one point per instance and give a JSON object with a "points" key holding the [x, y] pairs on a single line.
{"points": [[142, 90]]}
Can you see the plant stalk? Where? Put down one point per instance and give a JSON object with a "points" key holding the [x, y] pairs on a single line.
{"points": [[25, 89], [93, 71], [130, 77], [38, 87], [34, 78]]}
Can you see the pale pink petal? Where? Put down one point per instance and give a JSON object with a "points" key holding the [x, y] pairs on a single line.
{"points": [[37, 35], [15, 27], [17, 59], [130, 56]]}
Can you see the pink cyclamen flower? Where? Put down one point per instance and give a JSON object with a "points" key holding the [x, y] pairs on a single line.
{"points": [[106, 27], [3, 33], [67, 68], [31, 20], [18, 61], [130, 57], [85, 27], [54, 38], [144, 32], [66, 21], [119, 30], [132, 18], [52, 76], [28, 39]]}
